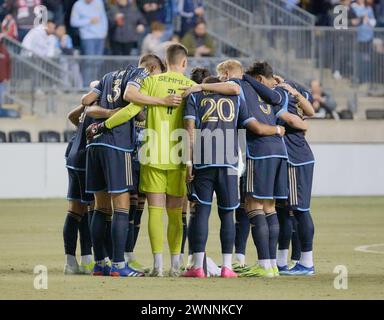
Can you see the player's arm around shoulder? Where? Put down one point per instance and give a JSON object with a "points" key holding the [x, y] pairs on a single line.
{"points": [[304, 102], [74, 114], [263, 129], [97, 112], [294, 121], [145, 96], [229, 88]]}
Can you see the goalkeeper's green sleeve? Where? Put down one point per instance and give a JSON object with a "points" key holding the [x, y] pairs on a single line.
{"points": [[123, 115]]}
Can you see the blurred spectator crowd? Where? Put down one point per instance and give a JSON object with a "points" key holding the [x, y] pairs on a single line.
{"points": [[117, 27], [364, 12]]}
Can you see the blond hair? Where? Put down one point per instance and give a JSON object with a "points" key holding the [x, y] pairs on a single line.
{"points": [[230, 66]]}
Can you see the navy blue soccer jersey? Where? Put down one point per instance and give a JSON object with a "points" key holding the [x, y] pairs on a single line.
{"points": [[217, 118], [76, 156], [111, 90], [261, 147], [299, 152]]}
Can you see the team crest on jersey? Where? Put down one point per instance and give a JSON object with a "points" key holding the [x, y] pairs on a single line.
{"points": [[266, 109]]}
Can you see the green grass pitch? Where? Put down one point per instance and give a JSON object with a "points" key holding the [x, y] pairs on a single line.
{"points": [[31, 234]]}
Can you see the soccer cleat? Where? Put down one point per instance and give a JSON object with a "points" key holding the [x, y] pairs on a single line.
{"points": [[125, 272], [194, 273], [71, 270], [86, 268], [174, 273], [276, 272], [300, 270], [99, 270], [228, 273], [156, 273], [283, 270], [257, 271], [237, 267], [138, 266]]}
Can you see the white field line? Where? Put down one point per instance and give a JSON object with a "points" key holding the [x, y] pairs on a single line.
{"points": [[367, 248]]}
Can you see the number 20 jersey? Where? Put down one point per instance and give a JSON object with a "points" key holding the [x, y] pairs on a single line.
{"points": [[218, 117], [111, 90]]}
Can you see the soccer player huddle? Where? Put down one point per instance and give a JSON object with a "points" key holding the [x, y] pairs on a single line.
{"points": [[150, 133]]}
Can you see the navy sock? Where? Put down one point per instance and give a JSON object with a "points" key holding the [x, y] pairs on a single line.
{"points": [[119, 232], [90, 216], [227, 230], [85, 236], [131, 234], [71, 226], [242, 230], [190, 229], [305, 229], [108, 248], [285, 223], [296, 247], [200, 227], [137, 223], [260, 233], [184, 218], [98, 234], [273, 226]]}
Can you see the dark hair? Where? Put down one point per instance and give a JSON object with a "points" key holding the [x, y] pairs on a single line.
{"points": [[51, 21], [157, 26], [176, 52], [260, 68], [199, 21], [211, 79], [198, 74], [152, 59]]}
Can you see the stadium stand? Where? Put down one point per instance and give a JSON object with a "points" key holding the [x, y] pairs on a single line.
{"points": [[19, 136], [49, 136], [375, 114], [3, 137], [346, 115], [285, 35]]}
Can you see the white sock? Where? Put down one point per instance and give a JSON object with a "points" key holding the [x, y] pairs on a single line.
{"points": [[306, 259], [198, 259], [107, 261], [190, 260], [119, 265], [129, 256], [71, 260], [181, 259], [86, 259], [282, 257], [158, 261], [265, 263], [240, 258], [175, 261], [212, 268], [227, 260], [273, 263]]}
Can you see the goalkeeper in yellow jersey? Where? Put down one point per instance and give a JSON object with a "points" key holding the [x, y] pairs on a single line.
{"points": [[162, 173]]}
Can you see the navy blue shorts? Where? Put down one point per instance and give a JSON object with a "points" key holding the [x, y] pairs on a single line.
{"points": [[109, 170], [221, 180], [267, 178], [300, 186], [76, 187]]}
